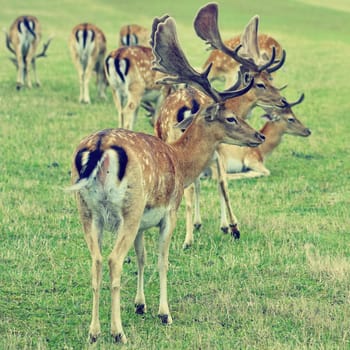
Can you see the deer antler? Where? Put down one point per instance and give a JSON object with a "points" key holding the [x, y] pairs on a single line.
{"points": [[8, 42], [45, 47], [286, 104], [170, 59], [206, 27]]}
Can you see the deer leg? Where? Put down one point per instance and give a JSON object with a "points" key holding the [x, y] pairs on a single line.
{"points": [[86, 81], [225, 202], [20, 69], [93, 236], [166, 229], [197, 213], [28, 65], [139, 244], [101, 79], [125, 237], [189, 199], [118, 105], [37, 81], [135, 93]]}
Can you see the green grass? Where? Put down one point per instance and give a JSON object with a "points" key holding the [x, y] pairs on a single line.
{"points": [[284, 285]]}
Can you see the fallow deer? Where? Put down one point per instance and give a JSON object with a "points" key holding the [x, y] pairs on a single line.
{"points": [[87, 44], [185, 101], [127, 181], [133, 34], [224, 67], [23, 40], [245, 162], [133, 82]]}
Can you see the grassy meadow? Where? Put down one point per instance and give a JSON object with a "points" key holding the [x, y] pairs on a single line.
{"points": [[283, 285]]}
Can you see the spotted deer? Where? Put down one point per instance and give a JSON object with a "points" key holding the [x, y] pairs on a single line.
{"points": [[22, 40], [127, 181], [134, 34], [189, 101], [133, 82], [245, 162], [87, 44], [224, 67]]}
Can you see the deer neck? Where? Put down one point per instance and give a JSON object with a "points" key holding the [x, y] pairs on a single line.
{"points": [[195, 150], [273, 133]]}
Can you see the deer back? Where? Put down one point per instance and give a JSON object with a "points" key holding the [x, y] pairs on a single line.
{"points": [[134, 34], [25, 32], [87, 42]]}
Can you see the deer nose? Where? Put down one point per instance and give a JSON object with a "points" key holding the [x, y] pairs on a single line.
{"points": [[260, 136], [307, 132]]}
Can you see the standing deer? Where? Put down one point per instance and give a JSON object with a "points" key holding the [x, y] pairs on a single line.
{"points": [[133, 34], [133, 82], [184, 101], [128, 182], [87, 44], [23, 40]]}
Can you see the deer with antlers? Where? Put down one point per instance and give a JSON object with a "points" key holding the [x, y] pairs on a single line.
{"points": [[127, 181], [23, 40], [185, 101], [224, 67], [245, 162], [133, 34], [87, 44], [133, 82]]}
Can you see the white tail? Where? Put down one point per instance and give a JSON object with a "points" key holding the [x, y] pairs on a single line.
{"points": [[23, 40], [133, 82], [134, 34], [87, 44], [132, 181]]}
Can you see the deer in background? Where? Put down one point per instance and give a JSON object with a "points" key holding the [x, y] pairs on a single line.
{"points": [[189, 101], [224, 67], [245, 162], [133, 82], [128, 182], [23, 40], [133, 34], [87, 44]]}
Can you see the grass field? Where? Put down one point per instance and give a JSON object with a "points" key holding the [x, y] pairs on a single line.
{"points": [[284, 285]]}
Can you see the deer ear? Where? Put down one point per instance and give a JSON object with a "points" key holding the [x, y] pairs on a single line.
{"points": [[249, 40], [210, 113], [184, 124]]}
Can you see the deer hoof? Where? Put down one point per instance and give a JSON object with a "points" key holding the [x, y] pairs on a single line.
{"points": [[224, 229], [235, 232], [140, 309], [119, 338], [197, 226], [166, 319], [93, 338]]}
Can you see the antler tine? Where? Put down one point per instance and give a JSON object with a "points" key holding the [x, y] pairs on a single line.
{"points": [[8, 42], [279, 64], [45, 47], [170, 59], [206, 27], [286, 104]]}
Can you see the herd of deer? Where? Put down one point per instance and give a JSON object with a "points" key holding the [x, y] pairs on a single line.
{"points": [[127, 181]]}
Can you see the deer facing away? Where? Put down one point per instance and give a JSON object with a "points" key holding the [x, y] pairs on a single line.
{"points": [[23, 40], [128, 182], [87, 44]]}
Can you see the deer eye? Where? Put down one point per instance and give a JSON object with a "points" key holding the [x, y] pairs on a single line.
{"points": [[291, 120], [260, 86], [231, 120]]}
